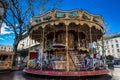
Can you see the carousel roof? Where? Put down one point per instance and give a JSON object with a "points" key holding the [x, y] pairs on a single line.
{"points": [[57, 20]]}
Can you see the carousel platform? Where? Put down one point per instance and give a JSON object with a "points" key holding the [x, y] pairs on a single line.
{"points": [[64, 73]]}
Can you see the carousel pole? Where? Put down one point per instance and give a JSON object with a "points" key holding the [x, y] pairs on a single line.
{"points": [[103, 51], [78, 46], [78, 39], [29, 51], [96, 41], [12, 60], [45, 42], [54, 37], [91, 50], [67, 56], [53, 43], [42, 48]]}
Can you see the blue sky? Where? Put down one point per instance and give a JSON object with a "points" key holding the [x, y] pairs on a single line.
{"points": [[108, 9], [6, 36]]}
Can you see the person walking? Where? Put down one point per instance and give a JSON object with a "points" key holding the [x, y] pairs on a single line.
{"points": [[111, 67]]}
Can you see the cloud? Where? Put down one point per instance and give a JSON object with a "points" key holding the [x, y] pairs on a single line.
{"points": [[1, 38], [5, 29]]}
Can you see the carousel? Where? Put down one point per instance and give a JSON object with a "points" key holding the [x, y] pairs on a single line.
{"points": [[65, 39], [6, 60]]}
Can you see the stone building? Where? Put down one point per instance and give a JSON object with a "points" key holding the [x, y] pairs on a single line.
{"points": [[26, 42], [111, 45], [6, 48]]}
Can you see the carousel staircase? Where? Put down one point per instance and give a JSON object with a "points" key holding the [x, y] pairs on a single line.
{"points": [[75, 58]]}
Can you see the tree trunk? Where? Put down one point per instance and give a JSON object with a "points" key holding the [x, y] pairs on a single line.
{"points": [[15, 48], [17, 40]]}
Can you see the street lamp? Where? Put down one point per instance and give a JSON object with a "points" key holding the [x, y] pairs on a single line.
{"points": [[3, 8]]}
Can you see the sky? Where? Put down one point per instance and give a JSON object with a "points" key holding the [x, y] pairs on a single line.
{"points": [[108, 9]]}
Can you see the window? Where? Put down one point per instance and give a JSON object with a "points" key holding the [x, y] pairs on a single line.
{"points": [[9, 49], [112, 45], [113, 51], [105, 51], [106, 42], [119, 55], [108, 51], [118, 50], [47, 17], [60, 14], [116, 41], [111, 41], [107, 47], [117, 45], [38, 20], [73, 13]]}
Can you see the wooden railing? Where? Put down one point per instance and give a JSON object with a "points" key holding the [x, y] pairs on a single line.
{"points": [[75, 60]]}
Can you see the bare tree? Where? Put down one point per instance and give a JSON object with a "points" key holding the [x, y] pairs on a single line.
{"points": [[107, 28], [20, 11]]}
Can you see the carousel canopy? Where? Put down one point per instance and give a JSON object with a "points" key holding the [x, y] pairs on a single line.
{"points": [[57, 20]]}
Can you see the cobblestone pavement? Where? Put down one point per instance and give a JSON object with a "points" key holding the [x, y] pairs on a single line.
{"points": [[115, 73]]}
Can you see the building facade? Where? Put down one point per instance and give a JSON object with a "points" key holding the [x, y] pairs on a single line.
{"points": [[26, 42], [6, 48], [111, 45]]}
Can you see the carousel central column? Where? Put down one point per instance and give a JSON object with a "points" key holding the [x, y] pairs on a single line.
{"points": [[67, 56]]}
